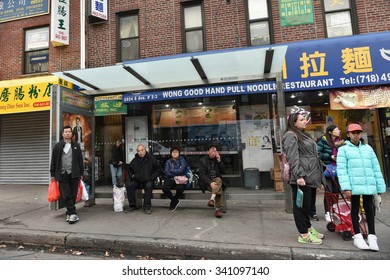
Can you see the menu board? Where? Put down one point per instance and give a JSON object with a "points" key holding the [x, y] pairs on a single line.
{"points": [[206, 115]]}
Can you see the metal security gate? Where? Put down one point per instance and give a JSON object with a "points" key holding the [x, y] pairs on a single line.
{"points": [[24, 148]]}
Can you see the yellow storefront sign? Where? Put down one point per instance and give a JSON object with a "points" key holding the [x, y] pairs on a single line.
{"points": [[28, 95]]}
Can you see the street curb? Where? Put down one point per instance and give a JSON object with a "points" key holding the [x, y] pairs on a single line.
{"points": [[180, 248]]}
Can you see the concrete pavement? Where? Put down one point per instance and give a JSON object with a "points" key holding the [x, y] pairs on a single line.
{"points": [[249, 230]]}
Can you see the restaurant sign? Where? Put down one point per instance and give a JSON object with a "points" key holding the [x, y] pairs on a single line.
{"points": [[26, 95]]}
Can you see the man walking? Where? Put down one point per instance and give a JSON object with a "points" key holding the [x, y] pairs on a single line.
{"points": [[67, 168]]}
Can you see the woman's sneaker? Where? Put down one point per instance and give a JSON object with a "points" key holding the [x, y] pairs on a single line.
{"points": [[315, 233], [372, 242], [359, 242], [309, 239]]}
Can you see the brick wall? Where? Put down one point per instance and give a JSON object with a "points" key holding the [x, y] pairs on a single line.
{"points": [[161, 34]]}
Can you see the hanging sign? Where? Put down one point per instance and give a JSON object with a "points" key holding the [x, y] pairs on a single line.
{"points": [[59, 27]]}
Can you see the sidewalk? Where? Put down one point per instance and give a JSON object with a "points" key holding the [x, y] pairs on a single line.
{"points": [[249, 229]]}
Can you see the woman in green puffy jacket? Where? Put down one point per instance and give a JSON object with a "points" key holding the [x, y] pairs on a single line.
{"points": [[360, 174]]}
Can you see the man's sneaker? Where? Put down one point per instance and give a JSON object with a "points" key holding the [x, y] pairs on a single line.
{"points": [[359, 242], [147, 211], [316, 234], [218, 213], [133, 208], [73, 218], [327, 217], [67, 218], [309, 239], [372, 242], [175, 204], [314, 217], [210, 203]]}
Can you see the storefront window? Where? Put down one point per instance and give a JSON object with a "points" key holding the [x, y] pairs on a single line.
{"points": [[193, 127]]}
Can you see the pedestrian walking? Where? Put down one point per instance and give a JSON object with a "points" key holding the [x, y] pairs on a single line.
{"points": [[67, 168]]}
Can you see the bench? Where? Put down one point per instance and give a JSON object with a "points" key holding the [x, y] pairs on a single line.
{"points": [[193, 194]]}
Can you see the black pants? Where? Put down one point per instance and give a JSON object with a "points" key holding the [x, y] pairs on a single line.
{"points": [[148, 189], [68, 188], [301, 215], [368, 209], [171, 184]]}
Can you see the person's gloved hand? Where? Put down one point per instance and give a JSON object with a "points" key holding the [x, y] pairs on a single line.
{"points": [[377, 202]]}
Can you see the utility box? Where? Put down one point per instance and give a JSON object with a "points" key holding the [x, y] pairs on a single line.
{"points": [[252, 178]]}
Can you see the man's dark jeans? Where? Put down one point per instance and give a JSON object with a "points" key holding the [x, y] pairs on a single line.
{"points": [[68, 188], [131, 189]]}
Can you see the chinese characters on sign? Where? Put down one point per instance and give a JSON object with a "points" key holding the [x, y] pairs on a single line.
{"points": [[295, 12], [59, 28], [14, 10], [99, 9], [109, 105], [25, 98]]}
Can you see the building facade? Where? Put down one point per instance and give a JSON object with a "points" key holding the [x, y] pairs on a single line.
{"points": [[243, 124]]}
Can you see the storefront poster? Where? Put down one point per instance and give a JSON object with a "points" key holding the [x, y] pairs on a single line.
{"points": [[360, 98], [256, 137], [136, 134], [295, 12], [82, 134]]}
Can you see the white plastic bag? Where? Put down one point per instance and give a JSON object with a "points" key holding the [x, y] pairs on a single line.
{"points": [[85, 195], [118, 195], [377, 202]]}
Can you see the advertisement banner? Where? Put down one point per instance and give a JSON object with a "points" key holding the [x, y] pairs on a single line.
{"points": [[360, 98], [295, 12]]}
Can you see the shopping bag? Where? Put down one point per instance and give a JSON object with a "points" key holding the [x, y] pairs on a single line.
{"points": [[118, 194], [84, 195], [299, 200], [53, 193], [284, 167], [330, 171]]}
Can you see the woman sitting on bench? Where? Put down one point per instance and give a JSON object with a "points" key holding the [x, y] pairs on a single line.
{"points": [[175, 177]]}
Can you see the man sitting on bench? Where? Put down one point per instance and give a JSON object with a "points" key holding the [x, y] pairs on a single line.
{"points": [[142, 171], [210, 170]]}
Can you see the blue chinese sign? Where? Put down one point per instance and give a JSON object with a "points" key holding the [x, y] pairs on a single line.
{"points": [[18, 9], [360, 60]]}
